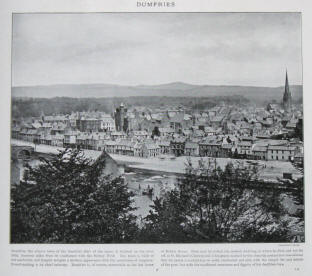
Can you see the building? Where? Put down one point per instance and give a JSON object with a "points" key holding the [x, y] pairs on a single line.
{"points": [[46, 139], [210, 148], [57, 140], [140, 134], [118, 135], [137, 150], [166, 131], [298, 159], [164, 147], [81, 140], [110, 146], [88, 124], [15, 132], [281, 153], [272, 107], [260, 152], [226, 150], [244, 148], [109, 166], [55, 119], [150, 150], [70, 139], [108, 123], [177, 146], [191, 149], [125, 147]]}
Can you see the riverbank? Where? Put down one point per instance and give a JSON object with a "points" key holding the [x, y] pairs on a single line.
{"points": [[270, 170]]}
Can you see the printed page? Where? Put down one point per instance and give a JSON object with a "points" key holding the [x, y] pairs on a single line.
{"points": [[155, 137]]}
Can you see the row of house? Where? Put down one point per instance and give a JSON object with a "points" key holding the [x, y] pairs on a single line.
{"points": [[136, 144]]}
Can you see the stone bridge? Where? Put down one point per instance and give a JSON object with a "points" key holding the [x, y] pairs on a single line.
{"points": [[21, 152]]}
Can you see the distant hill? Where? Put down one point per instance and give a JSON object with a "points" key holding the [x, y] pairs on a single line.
{"points": [[171, 86], [176, 89]]}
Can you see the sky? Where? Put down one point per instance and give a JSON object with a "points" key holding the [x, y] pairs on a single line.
{"points": [[155, 48]]}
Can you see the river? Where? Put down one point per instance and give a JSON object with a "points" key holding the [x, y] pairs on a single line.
{"points": [[137, 181]]}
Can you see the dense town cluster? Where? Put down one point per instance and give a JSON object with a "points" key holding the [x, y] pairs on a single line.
{"points": [[273, 132]]}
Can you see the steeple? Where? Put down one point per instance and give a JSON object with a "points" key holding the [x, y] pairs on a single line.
{"points": [[287, 95], [42, 115], [286, 84]]}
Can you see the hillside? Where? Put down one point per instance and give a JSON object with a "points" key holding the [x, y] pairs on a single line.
{"points": [[177, 89]]}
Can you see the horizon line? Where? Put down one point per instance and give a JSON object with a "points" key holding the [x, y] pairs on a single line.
{"points": [[159, 84]]}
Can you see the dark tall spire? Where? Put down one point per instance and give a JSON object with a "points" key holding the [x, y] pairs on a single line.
{"points": [[286, 84], [287, 95]]}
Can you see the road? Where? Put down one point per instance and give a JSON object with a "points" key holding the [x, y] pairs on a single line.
{"points": [[270, 172]]}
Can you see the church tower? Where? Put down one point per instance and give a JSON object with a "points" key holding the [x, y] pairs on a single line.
{"points": [[120, 118], [286, 104]]}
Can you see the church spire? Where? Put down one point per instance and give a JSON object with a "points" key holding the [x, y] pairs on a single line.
{"points": [[287, 95], [286, 84]]}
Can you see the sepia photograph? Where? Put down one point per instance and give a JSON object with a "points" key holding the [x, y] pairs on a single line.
{"points": [[156, 128]]}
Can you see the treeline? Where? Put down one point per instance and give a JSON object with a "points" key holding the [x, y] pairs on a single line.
{"points": [[66, 199], [204, 103], [34, 107]]}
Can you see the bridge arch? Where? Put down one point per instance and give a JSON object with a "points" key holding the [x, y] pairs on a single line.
{"points": [[22, 152]]}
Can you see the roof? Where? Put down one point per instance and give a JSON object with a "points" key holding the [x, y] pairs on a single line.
{"points": [[108, 119], [178, 140], [164, 143], [36, 125], [140, 132], [55, 118], [46, 125], [191, 145], [187, 117], [126, 143], [227, 146], [46, 137], [16, 128], [211, 142], [209, 129], [151, 146], [178, 118], [110, 143], [291, 125], [166, 130], [32, 131], [217, 119], [281, 148], [71, 133], [57, 137], [245, 143], [259, 148], [117, 133], [156, 116]]}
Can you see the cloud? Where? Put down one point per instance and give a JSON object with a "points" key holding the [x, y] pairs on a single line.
{"points": [[149, 48]]}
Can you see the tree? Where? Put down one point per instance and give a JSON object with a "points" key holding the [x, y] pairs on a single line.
{"points": [[155, 132], [66, 199], [294, 189], [296, 192], [36, 142], [214, 205]]}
